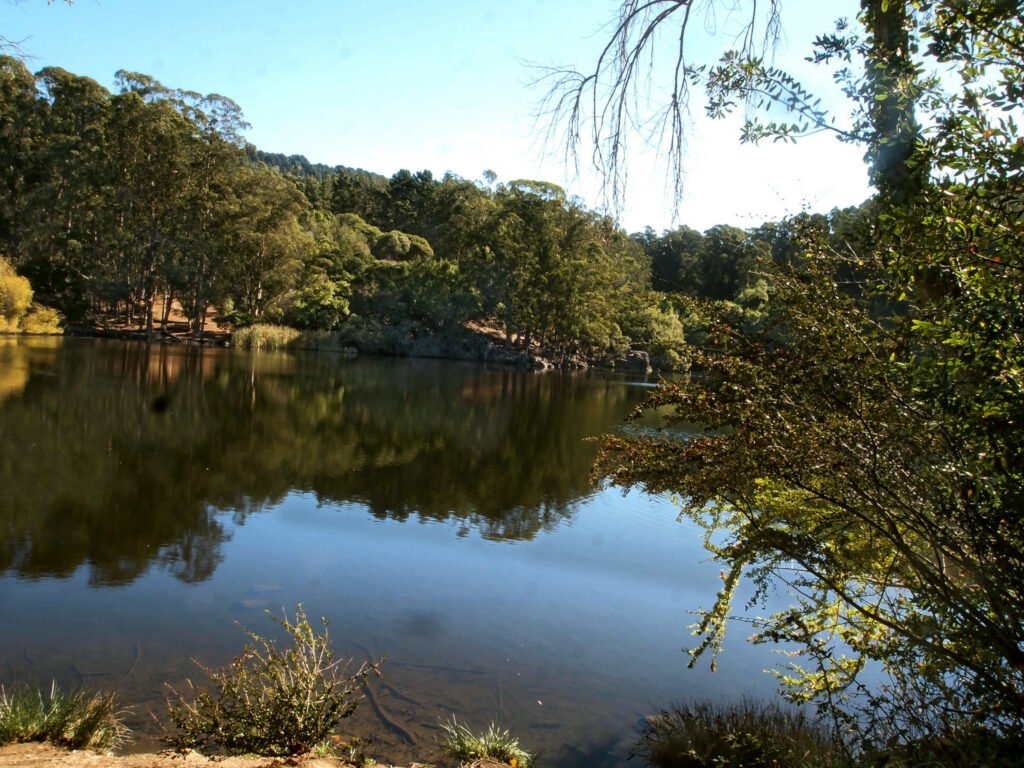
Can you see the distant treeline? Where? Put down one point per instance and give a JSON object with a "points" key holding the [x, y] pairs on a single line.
{"points": [[116, 204]]}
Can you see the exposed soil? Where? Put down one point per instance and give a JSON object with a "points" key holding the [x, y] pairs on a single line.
{"points": [[36, 755], [176, 331], [47, 756]]}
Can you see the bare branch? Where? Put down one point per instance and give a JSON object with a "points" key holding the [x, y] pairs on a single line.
{"points": [[619, 96]]}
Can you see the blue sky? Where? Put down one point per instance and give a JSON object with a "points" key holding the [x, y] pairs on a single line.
{"points": [[434, 84]]}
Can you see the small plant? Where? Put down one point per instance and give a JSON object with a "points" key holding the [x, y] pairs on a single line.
{"points": [[77, 720], [747, 734], [269, 701], [349, 752], [468, 747]]}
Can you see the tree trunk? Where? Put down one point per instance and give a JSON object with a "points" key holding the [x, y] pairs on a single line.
{"points": [[166, 313], [892, 93]]}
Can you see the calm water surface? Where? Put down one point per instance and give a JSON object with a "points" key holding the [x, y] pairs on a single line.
{"points": [[151, 500]]}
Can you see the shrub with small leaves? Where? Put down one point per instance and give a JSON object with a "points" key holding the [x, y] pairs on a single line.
{"points": [[270, 701]]}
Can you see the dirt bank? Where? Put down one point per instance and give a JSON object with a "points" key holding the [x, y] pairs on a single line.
{"points": [[47, 756]]}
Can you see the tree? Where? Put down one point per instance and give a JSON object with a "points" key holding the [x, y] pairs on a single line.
{"points": [[669, 254], [266, 243], [863, 442], [19, 131]]}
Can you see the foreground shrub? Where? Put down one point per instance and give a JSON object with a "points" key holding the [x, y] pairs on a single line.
{"points": [[467, 747], [747, 734], [77, 720], [969, 746], [270, 701]]}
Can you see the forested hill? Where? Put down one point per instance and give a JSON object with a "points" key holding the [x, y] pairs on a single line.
{"points": [[120, 204], [299, 165]]}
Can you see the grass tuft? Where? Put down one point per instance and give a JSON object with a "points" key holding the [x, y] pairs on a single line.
{"points": [[467, 747], [746, 734], [77, 720]]}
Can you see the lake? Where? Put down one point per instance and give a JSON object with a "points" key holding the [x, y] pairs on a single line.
{"points": [[153, 499]]}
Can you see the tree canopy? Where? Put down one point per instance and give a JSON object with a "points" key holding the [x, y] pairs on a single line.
{"points": [[861, 440]]}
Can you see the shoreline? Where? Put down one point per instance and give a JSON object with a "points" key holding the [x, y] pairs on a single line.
{"points": [[476, 345]]}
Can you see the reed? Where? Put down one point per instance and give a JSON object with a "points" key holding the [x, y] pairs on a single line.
{"points": [[264, 336]]}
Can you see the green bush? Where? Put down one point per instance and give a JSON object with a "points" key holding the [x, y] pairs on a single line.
{"points": [[77, 720], [270, 701], [747, 735]]}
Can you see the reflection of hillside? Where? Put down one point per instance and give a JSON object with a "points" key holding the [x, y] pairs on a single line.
{"points": [[117, 456]]}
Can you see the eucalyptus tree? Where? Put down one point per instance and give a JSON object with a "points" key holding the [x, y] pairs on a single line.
{"points": [[149, 172], [553, 273], [265, 243], [214, 152], [20, 113], [71, 188]]}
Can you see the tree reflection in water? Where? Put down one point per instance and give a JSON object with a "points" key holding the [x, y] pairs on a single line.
{"points": [[119, 456]]}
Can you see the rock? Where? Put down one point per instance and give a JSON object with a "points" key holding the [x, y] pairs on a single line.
{"points": [[634, 361]]}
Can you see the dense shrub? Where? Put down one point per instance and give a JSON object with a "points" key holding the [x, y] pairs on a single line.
{"points": [[15, 297], [270, 701], [41, 320]]}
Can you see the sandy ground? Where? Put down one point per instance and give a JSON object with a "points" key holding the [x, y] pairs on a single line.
{"points": [[46, 756]]}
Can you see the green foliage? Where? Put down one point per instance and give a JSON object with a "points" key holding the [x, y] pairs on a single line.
{"points": [[657, 328], [112, 201], [319, 302], [462, 744], [746, 735], [271, 701], [392, 246], [77, 720], [862, 412]]}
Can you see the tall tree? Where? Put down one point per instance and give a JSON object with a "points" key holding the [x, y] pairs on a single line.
{"points": [[875, 464]]}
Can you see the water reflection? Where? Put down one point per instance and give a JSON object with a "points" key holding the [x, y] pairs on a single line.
{"points": [[117, 457]]}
